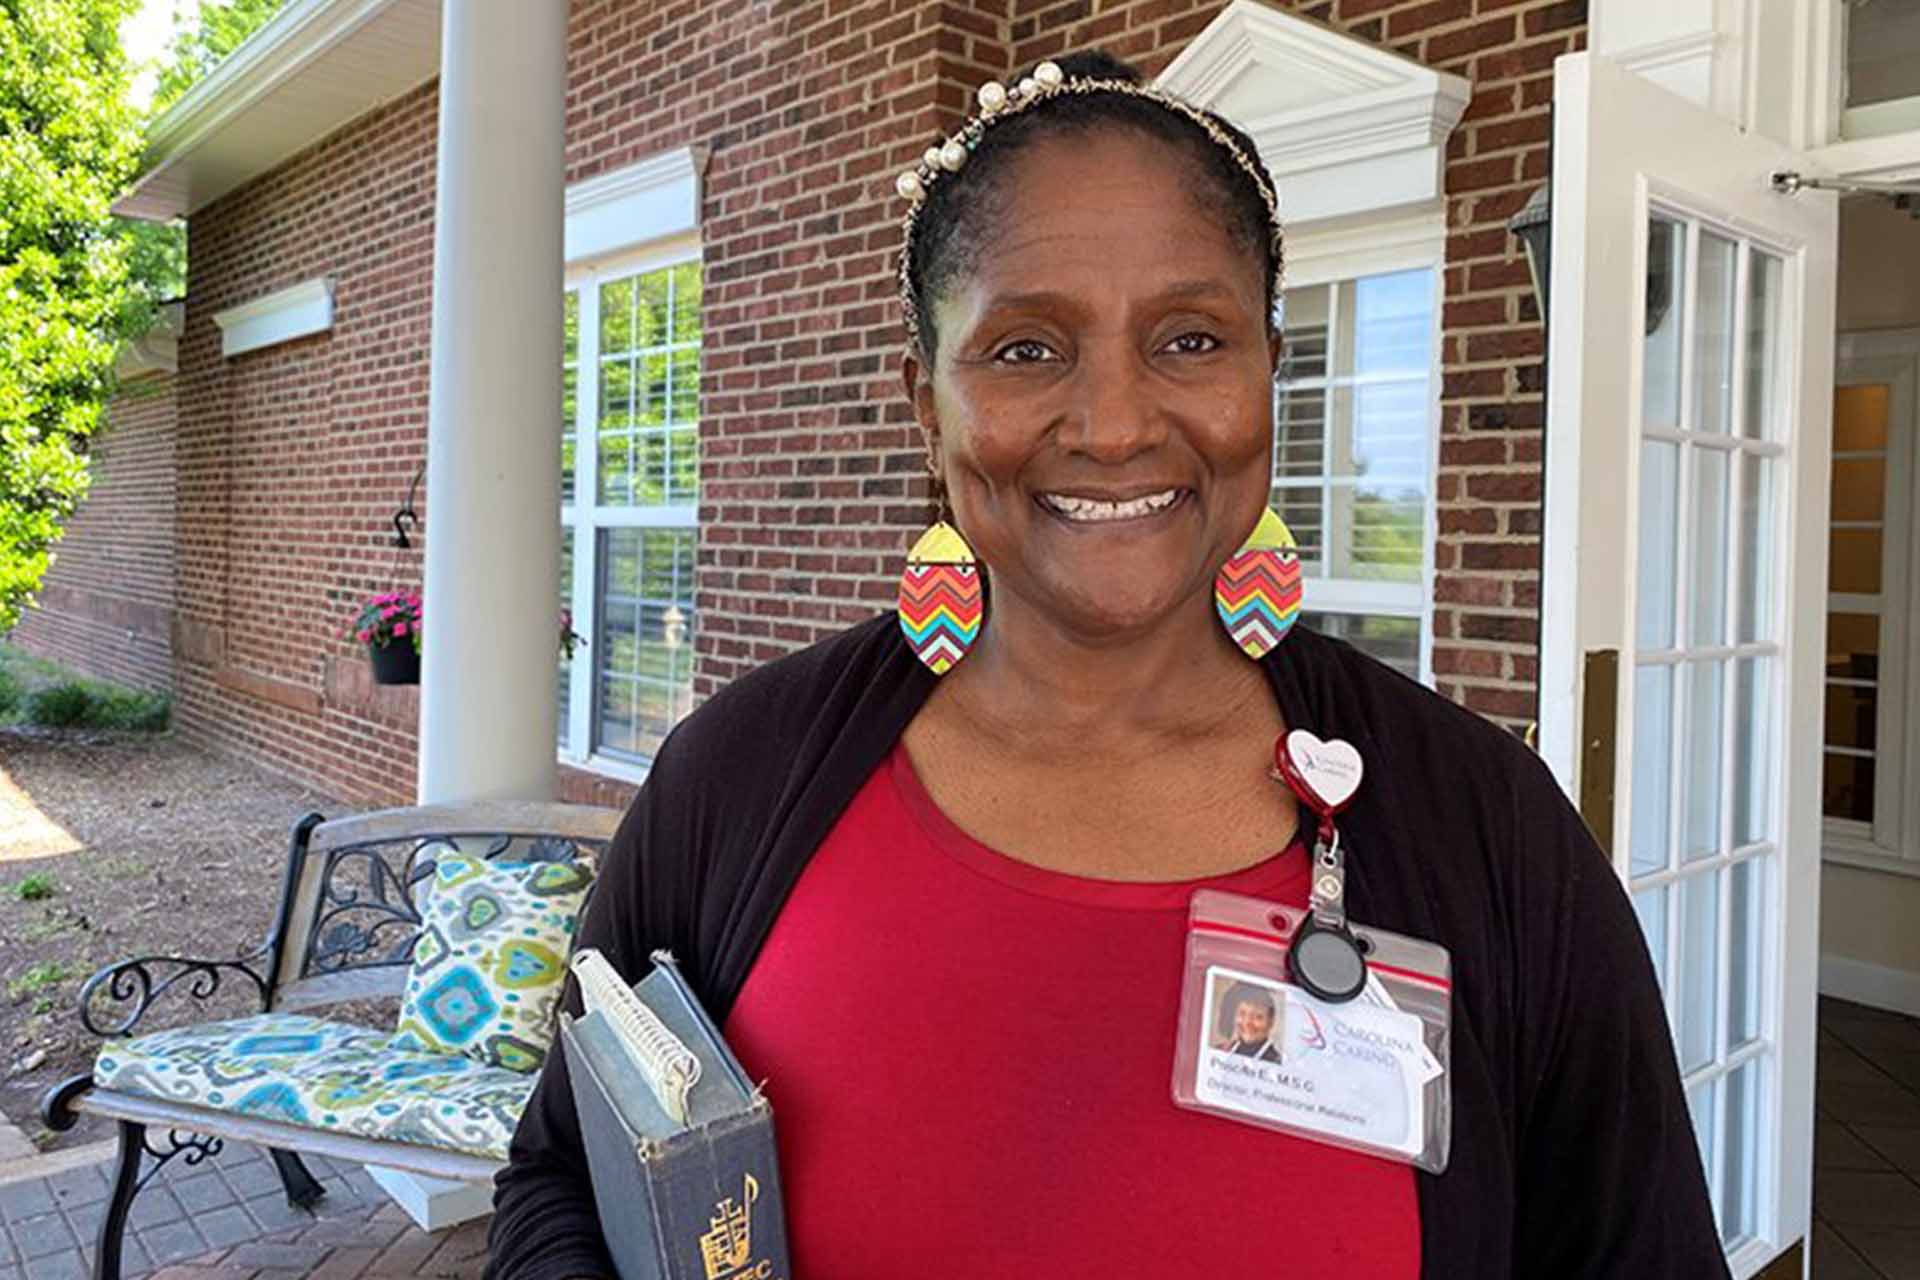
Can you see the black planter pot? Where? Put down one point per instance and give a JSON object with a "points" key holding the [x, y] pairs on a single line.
{"points": [[395, 662]]}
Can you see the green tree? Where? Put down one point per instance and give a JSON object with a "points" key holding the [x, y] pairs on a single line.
{"points": [[157, 251], [198, 45], [69, 140]]}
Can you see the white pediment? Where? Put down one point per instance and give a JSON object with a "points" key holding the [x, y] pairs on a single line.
{"points": [[1346, 128]]}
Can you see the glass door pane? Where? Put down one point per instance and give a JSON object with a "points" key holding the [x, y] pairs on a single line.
{"points": [[1702, 803]]}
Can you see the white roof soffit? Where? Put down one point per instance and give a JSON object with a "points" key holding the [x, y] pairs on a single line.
{"points": [[1344, 127], [317, 65]]}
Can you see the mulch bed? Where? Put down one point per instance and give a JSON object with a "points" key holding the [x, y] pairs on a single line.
{"points": [[154, 848]]}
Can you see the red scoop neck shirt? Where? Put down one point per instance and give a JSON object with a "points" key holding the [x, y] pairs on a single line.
{"points": [[970, 1065]]}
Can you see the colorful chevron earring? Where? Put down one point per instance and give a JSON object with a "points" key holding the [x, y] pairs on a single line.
{"points": [[1257, 592], [940, 598]]}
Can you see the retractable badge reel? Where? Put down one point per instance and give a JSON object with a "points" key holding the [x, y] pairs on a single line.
{"points": [[1325, 958], [1302, 1021]]}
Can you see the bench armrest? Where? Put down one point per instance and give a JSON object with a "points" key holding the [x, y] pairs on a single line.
{"points": [[125, 991]]}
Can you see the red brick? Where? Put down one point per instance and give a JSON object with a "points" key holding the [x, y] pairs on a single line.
{"points": [[1467, 662], [1499, 555], [1563, 16], [1454, 44], [1423, 17], [1520, 131], [1505, 486], [1505, 344], [1505, 703]]}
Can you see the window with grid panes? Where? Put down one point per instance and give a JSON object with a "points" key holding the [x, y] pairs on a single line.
{"points": [[1856, 607], [1354, 456], [1869, 755], [629, 503]]}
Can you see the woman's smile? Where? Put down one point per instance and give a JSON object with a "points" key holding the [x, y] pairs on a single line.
{"points": [[1080, 509]]}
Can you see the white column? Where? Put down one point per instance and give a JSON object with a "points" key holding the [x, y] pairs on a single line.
{"points": [[492, 593]]}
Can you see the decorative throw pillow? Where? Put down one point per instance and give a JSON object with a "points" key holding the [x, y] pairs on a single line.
{"points": [[491, 958]]}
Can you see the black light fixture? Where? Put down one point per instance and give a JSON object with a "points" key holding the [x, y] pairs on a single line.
{"points": [[1533, 226]]}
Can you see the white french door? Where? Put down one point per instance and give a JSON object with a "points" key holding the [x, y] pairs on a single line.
{"points": [[1690, 371]]}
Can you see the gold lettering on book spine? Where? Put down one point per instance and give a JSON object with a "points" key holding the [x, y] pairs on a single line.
{"points": [[728, 1245]]}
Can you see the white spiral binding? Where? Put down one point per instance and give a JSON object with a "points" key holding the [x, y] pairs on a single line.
{"points": [[671, 1069]]}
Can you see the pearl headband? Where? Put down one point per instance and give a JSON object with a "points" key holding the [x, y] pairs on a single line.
{"points": [[997, 103]]}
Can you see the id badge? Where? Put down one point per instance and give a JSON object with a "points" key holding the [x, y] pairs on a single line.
{"points": [[1368, 1073]]}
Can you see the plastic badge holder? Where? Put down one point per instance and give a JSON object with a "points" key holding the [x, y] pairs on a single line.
{"points": [[1370, 1074]]}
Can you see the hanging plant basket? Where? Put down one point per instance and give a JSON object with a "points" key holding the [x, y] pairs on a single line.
{"points": [[394, 663], [389, 626]]}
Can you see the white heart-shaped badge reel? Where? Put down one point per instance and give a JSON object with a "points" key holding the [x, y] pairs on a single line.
{"points": [[1327, 772]]}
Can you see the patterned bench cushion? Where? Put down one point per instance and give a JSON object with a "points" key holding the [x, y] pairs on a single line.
{"points": [[324, 1075]]}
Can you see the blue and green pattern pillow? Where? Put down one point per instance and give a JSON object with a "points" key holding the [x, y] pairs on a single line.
{"points": [[491, 958]]}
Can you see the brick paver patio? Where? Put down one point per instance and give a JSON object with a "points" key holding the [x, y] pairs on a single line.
{"points": [[227, 1219], [375, 1242]]}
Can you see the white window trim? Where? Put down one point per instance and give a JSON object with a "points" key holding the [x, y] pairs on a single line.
{"points": [[1895, 122], [297, 311], [1369, 247], [1345, 127], [1891, 842], [628, 222]]}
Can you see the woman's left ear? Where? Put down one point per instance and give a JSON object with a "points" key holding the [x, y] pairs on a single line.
{"points": [[917, 381]]}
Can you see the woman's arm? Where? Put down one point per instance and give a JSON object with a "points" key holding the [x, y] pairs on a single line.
{"points": [[544, 1223], [1610, 1181], [545, 1226]]}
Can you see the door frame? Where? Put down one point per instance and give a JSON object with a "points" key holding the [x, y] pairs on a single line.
{"points": [[1583, 387]]}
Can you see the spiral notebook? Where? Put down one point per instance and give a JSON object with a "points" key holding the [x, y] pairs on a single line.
{"points": [[679, 1142]]}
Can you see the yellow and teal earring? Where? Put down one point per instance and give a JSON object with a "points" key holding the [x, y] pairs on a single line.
{"points": [[1257, 592], [941, 603]]}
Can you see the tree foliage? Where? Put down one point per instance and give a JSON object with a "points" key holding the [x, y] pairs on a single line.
{"points": [[69, 140], [76, 280], [157, 251], [198, 46]]}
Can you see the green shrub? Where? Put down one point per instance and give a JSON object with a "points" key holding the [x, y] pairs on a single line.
{"points": [[11, 694], [131, 709], [39, 884], [60, 706]]}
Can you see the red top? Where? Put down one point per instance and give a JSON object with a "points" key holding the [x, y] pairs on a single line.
{"points": [[970, 1061]]}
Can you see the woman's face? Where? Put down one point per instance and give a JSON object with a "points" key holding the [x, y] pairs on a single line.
{"points": [[1101, 399], [1252, 1023]]}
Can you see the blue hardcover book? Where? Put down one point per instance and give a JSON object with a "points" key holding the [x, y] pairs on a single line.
{"points": [[679, 1142]]}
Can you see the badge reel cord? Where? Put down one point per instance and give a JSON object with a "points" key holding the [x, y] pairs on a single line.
{"points": [[1324, 958]]}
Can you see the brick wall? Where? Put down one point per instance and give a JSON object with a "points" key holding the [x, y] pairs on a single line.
{"points": [[1487, 560], [293, 459], [106, 607], [810, 477]]}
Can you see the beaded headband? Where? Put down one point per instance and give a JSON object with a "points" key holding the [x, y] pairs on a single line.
{"points": [[998, 103]]}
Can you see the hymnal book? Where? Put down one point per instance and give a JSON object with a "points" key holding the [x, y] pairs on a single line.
{"points": [[679, 1142]]}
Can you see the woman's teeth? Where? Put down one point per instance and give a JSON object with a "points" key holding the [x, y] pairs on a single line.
{"points": [[1090, 510]]}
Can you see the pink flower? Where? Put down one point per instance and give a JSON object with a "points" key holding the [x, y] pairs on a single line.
{"points": [[366, 637], [387, 611], [399, 628]]}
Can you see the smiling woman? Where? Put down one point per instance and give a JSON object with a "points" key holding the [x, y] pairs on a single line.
{"points": [[941, 908]]}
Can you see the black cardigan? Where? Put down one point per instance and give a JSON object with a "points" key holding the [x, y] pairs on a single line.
{"points": [[1573, 1154]]}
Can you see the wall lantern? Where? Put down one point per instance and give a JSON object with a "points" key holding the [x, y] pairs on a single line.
{"points": [[1533, 227]]}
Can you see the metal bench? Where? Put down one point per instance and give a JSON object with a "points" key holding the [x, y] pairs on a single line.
{"points": [[344, 930]]}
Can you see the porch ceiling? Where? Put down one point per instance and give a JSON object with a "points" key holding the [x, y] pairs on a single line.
{"points": [[316, 66]]}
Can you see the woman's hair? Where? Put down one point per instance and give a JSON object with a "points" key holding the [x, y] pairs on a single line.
{"points": [[1246, 993], [962, 211]]}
